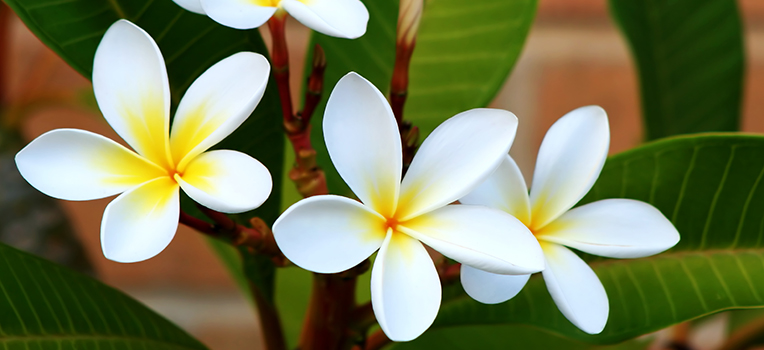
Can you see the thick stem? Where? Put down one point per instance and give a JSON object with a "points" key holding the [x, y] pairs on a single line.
{"points": [[329, 312], [332, 311], [270, 321]]}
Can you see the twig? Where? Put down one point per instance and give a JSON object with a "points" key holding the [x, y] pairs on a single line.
{"points": [[258, 237], [377, 340], [307, 176]]}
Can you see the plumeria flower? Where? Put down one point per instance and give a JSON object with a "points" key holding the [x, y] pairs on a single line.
{"points": [[339, 18], [569, 161], [329, 234], [133, 93]]}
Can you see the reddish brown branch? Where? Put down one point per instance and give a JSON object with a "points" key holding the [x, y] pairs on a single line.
{"points": [[258, 237], [330, 322], [377, 340], [307, 176], [315, 86]]}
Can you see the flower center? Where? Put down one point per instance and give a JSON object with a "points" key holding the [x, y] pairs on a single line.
{"points": [[391, 223], [267, 3], [172, 173]]}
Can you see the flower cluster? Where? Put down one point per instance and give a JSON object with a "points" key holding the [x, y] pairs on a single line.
{"points": [[462, 195]]}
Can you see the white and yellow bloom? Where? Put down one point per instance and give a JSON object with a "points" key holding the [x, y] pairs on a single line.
{"points": [[133, 93], [569, 161], [338, 18], [329, 234]]}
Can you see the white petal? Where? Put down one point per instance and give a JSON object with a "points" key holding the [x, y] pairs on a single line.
{"points": [[482, 237], [217, 103], [459, 155], [570, 160], [364, 143], [239, 14], [405, 288], [505, 189], [615, 228], [575, 289], [80, 165], [131, 87], [340, 18], [141, 222], [491, 288], [194, 6], [328, 234], [226, 181]]}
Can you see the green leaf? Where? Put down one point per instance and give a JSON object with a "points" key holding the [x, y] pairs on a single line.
{"points": [[464, 52], [690, 59], [45, 306], [502, 337], [710, 187]]}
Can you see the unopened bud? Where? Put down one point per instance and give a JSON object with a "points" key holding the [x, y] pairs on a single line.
{"points": [[409, 15]]}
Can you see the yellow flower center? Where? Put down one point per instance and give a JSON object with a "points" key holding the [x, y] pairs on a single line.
{"points": [[267, 3], [391, 223]]}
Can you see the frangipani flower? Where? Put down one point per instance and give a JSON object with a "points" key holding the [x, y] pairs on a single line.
{"points": [[569, 161], [133, 93], [339, 18], [329, 234]]}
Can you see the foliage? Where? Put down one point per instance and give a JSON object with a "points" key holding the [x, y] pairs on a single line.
{"points": [[45, 306], [690, 59]]}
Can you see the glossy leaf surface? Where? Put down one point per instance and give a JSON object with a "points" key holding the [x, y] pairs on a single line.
{"points": [[690, 59], [45, 306]]}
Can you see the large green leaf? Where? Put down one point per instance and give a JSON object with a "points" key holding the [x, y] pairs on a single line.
{"points": [[464, 52], [45, 306], [710, 187], [689, 54], [502, 337]]}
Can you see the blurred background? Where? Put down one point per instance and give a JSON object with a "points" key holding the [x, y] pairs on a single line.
{"points": [[574, 56]]}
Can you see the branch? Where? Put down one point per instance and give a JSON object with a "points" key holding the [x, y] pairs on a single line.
{"points": [[307, 176], [258, 238], [377, 340]]}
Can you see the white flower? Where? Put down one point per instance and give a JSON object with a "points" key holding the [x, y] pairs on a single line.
{"points": [[329, 234], [133, 93], [569, 161], [339, 18]]}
